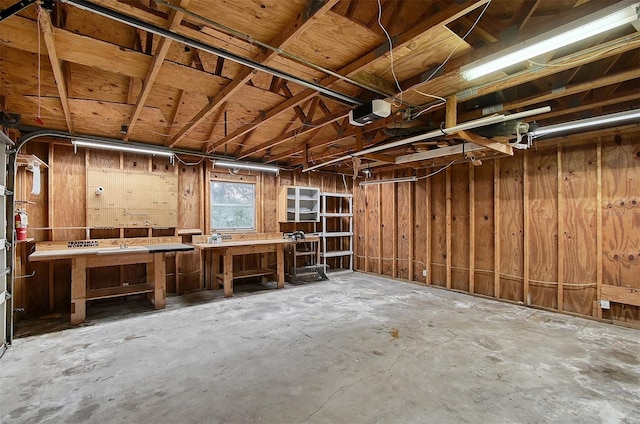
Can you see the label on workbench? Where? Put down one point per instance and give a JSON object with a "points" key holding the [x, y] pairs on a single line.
{"points": [[82, 243]]}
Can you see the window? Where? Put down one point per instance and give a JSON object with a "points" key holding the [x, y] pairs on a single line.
{"points": [[232, 206]]}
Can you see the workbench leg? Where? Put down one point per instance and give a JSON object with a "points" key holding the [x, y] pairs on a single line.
{"points": [[280, 265], [156, 272], [264, 264], [78, 290], [228, 275], [215, 270]]}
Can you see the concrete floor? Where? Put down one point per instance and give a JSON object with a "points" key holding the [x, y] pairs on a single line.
{"points": [[354, 349]]}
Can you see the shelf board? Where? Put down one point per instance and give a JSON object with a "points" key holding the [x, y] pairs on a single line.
{"points": [[335, 253], [338, 234], [249, 273], [305, 253], [345, 195], [117, 291], [336, 215]]}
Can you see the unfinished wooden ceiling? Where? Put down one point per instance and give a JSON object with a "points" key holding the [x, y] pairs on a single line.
{"points": [[86, 73]]}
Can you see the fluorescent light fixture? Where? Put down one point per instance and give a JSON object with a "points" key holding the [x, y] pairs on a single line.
{"points": [[481, 122], [246, 165], [604, 120], [588, 26], [389, 180], [122, 148]]}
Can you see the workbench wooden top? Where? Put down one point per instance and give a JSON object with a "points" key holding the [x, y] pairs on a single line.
{"points": [[241, 243], [45, 255]]}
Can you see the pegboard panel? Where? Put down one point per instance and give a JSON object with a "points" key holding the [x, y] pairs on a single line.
{"points": [[131, 199]]}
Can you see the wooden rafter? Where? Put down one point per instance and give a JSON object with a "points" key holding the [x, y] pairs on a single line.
{"points": [[154, 69], [47, 30], [567, 91], [295, 133], [284, 39], [483, 141]]}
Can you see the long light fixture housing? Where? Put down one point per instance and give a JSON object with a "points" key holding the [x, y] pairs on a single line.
{"points": [[389, 180], [582, 124], [121, 147], [476, 123], [604, 20], [246, 165]]}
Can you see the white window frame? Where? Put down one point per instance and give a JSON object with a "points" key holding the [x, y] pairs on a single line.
{"points": [[214, 205]]}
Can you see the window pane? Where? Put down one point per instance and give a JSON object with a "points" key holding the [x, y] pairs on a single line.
{"points": [[232, 205]]}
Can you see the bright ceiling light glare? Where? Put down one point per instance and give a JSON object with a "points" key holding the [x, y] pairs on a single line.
{"points": [[246, 165], [605, 120], [121, 148], [597, 23]]}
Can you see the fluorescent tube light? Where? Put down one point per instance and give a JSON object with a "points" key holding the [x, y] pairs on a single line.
{"points": [[614, 118], [246, 165], [389, 180], [588, 26], [122, 148]]}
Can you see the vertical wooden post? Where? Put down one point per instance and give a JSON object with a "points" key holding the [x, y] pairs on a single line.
{"points": [[52, 291], [561, 235], [451, 117], [279, 265], [472, 229], [78, 289], [51, 179], [496, 228], [394, 237], [526, 185], [448, 224], [428, 257], [365, 253], [599, 240], [227, 280], [380, 250], [156, 272], [411, 225]]}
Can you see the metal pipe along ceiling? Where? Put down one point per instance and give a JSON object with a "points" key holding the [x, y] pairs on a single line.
{"points": [[134, 22]]}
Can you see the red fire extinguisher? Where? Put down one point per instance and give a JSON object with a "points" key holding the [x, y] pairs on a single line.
{"points": [[22, 221]]}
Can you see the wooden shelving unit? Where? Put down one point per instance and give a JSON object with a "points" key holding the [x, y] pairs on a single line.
{"points": [[337, 231]]}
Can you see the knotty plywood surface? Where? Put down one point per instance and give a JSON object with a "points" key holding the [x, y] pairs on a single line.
{"points": [[438, 230], [484, 226], [579, 191], [542, 178], [131, 199], [460, 227]]}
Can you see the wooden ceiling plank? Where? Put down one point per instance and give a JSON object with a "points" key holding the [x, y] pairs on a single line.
{"points": [[302, 22], [431, 25], [483, 141], [154, 69], [47, 30]]}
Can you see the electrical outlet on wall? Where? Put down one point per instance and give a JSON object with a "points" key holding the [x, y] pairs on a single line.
{"points": [[424, 272]]}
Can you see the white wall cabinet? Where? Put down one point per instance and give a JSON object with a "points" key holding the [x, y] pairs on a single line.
{"points": [[299, 204]]}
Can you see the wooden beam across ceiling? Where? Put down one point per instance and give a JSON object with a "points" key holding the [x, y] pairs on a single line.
{"points": [[161, 53], [285, 38], [56, 64]]}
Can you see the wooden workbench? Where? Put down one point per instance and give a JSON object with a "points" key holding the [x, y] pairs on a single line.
{"points": [[212, 252], [88, 254]]}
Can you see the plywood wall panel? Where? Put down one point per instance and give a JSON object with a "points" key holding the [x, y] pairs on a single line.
{"points": [[460, 227], [419, 230], [68, 193], [404, 218], [269, 204], [388, 210], [438, 230], [372, 228], [511, 229], [359, 227], [579, 193], [621, 219], [542, 251], [484, 225]]}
